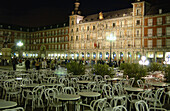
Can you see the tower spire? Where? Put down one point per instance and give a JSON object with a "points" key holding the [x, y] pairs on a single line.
{"points": [[76, 8]]}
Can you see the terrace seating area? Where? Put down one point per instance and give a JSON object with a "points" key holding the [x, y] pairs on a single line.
{"points": [[44, 90]]}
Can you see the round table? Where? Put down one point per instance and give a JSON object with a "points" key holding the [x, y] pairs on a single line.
{"points": [[30, 85], [159, 84], [67, 97], [113, 79], [7, 104], [89, 94], [83, 82], [133, 89]]}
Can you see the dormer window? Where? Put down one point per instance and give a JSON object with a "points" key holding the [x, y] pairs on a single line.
{"points": [[138, 11]]}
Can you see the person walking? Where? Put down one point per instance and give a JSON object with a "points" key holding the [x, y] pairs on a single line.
{"points": [[37, 64], [14, 62], [44, 64], [27, 64]]}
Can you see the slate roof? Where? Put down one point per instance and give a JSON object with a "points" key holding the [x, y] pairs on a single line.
{"points": [[155, 9], [109, 15], [31, 29]]}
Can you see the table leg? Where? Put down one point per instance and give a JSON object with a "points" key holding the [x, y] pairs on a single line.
{"points": [[68, 105], [62, 106]]}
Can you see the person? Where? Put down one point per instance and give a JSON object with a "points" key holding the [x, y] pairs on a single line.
{"points": [[14, 62], [37, 64], [33, 63], [27, 64], [44, 64]]}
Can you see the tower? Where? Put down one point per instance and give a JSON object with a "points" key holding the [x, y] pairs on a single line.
{"points": [[75, 17]]}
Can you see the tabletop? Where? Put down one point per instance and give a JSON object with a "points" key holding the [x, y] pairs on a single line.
{"points": [[83, 82], [159, 84], [134, 89], [114, 79], [68, 97], [7, 104], [89, 94], [29, 85]]}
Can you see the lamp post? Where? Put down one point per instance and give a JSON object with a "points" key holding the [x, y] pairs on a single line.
{"points": [[143, 61], [20, 44], [111, 38]]}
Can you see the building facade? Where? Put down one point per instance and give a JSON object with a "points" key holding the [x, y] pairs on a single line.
{"points": [[143, 30]]}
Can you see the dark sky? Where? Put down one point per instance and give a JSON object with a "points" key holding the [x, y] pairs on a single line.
{"points": [[46, 12]]}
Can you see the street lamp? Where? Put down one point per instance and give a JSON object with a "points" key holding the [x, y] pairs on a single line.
{"points": [[111, 38], [19, 44], [143, 61]]}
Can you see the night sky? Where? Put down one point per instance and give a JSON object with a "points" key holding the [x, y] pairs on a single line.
{"points": [[35, 13]]}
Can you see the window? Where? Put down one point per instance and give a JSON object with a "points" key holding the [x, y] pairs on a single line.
{"points": [[128, 33], [52, 46], [87, 28], [49, 40], [137, 43], [62, 46], [167, 30], [168, 19], [159, 31], [87, 37], [114, 24], [149, 43], [66, 39], [137, 32], [71, 38], [49, 46], [56, 39], [52, 40], [150, 22], [167, 42], [122, 24], [66, 46], [149, 32], [59, 47], [82, 37], [59, 39], [77, 29], [55, 46], [42, 40], [159, 21], [137, 22], [72, 22], [138, 11], [77, 38], [159, 43], [46, 40], [93, 27]]}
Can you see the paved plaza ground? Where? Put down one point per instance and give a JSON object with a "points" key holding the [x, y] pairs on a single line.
{"points": [[22, 68]]}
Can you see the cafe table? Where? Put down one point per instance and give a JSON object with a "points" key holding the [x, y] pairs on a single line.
{"points": [[6, 104], [68, 97]]}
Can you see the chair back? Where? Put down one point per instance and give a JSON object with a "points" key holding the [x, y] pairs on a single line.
{"points": [[140, 83], [119, 108], [141, 106], [107, 90], [119, 89], [15, 109], [68, 90]]}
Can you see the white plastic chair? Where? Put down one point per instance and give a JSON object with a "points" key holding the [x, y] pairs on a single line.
{"points": [[15, 109], [12, 89], [52, 101], [108, 91], [143, 106], [119, 108], [154, 99], [98, 105], [35, 96]]}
